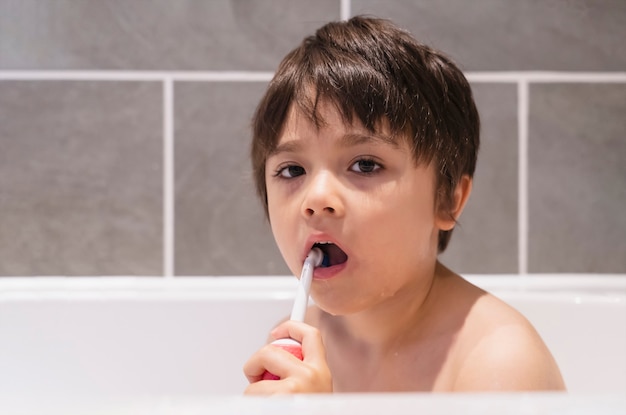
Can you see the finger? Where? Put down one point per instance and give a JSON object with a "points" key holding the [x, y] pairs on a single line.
{"points": [[270, 387], [253, 370], [292, 329], [313, 348], [263, 387], [258, 388], [272, 359]]}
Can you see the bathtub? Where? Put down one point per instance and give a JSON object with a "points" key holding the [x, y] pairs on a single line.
{"points": [[187, 338]]}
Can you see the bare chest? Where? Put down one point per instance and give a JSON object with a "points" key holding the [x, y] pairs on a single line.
{"points": [[425, 367]]}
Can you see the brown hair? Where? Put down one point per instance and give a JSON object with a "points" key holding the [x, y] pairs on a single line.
{"points": [[369, 68]]}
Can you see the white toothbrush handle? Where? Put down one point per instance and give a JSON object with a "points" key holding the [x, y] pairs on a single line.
{"points": [[302, 294]]}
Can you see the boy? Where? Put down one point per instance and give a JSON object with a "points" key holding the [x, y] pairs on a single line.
{"points": [[365, 145]]}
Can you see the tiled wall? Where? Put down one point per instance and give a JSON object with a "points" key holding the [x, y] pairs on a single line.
{"points": [[124, 131]]}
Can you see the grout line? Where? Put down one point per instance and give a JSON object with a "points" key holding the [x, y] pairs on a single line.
{"points": [[345, 9], [553, 77], [522, 131], [264, 76], [214, 76], [168, 178], [223, 76]]}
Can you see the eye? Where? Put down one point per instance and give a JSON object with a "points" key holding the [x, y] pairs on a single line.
{"points": [[365, 166], [290, 171]]}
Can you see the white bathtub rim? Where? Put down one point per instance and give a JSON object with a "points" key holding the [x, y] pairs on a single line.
{"points": [[399, 403], [570, 287]]}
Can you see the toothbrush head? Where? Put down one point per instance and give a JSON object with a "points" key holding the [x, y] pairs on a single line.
{"points": [[325, 261], [315, 257]]}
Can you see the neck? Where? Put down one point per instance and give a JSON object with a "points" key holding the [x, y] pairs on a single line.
{"points": [[399, 319]]}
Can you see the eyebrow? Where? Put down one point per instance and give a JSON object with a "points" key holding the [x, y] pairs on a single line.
{"points": [[347, 140], [353, 139]]}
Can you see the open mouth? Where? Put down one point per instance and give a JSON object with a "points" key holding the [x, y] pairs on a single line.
{"points": [[333, 255]]}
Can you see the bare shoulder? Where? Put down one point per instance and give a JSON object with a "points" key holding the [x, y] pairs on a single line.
{"points": [[499, 350]]}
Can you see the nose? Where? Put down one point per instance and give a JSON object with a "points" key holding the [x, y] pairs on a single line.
{"points": [[323, 196]]}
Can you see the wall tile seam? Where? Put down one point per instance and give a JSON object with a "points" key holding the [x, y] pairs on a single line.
{"points": [[523, 106], [266, 76], [137, 76], [169, 202], [345, 9]]}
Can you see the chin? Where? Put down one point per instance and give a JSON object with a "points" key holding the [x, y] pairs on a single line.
{"points": [[338, 307]]}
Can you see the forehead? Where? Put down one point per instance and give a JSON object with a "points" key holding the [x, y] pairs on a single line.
{"points": [[327, 120]]}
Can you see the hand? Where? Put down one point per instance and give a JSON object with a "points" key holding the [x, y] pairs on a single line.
{"points": [[311, 375]]}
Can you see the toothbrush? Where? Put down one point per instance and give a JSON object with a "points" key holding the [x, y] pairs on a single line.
{"points": [[313, 259]]}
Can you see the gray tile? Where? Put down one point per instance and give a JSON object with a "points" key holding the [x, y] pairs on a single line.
{"points": [[80, 178], [160, 34], [577, 178], [485, 240], [582, 35], [220, 225]]}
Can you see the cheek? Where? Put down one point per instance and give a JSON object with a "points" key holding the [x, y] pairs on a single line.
{"points": [[406, 228], [277, 220], [275, 207]]}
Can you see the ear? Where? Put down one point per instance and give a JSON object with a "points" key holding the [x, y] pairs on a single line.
{"points": [[446, 219]]}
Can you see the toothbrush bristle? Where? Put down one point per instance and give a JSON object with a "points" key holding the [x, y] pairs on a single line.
{"points": [[325, 261]]}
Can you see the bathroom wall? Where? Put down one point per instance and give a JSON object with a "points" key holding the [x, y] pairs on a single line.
{"points": [[124, 131]]}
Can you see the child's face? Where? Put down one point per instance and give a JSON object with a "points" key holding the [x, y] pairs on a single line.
{"points": [[364, 194]]}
